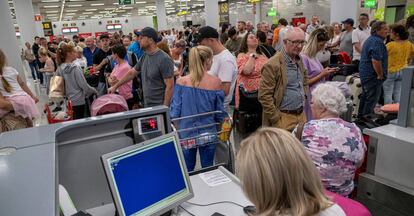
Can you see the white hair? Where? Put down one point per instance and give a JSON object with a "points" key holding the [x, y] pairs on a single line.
{"points": [[288, 30], [329, 97]]}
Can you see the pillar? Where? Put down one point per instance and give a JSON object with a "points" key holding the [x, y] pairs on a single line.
{"points": [[161, 15], [258, 14], [212, 13], [25, 20], [338, 13], [8, 42], [38, 24]]}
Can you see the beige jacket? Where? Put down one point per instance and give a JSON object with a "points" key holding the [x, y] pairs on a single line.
{"points": [[272, 87]]}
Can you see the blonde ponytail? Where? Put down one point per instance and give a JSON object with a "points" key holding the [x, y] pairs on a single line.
{"points": [[198, 56]]}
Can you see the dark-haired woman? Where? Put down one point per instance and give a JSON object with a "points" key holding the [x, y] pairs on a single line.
{"points": [[400, 52], [249, 64], [120, 70], [76, 87]]}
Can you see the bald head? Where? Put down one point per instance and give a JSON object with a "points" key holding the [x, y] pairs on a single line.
{"points": [[90, 42]]}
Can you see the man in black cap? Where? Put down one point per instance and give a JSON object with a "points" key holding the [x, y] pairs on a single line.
{"points": [[224, 63], [100, 62], [346, 37], [156, 68]]}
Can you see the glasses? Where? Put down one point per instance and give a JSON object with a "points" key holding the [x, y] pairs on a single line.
{"points": [[297, 43]]}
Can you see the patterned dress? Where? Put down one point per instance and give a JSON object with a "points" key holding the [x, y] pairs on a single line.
{"points": [[250, 82], [336, 148]]}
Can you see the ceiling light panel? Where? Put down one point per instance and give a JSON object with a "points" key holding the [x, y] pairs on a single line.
{"points": [[75, 5], [49, 1], [98, 4], [51, 6], [55, 11]]}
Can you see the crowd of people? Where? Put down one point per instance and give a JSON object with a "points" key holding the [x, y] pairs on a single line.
{"points": [[197, 70]]}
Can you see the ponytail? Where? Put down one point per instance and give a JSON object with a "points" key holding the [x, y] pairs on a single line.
{"points": [[6, 85], [198, 56], [62, 53]]}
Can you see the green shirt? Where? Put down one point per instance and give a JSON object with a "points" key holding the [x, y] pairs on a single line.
{"points": [[233, 45]]}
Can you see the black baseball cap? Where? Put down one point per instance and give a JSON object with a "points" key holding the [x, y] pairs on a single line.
{"points": [[207, 32], [150, 33], [348, 21], [104, 36]]}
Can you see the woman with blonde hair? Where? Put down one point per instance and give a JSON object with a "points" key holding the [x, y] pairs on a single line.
{"points": [[196, 93], [279, 178], [49, 67], [316, 73]]}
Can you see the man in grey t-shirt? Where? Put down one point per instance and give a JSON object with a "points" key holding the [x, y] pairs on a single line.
{"points": [[346, 37], [156, 69]]}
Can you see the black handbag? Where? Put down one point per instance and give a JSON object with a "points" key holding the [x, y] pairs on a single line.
{"points": [[248, 101]]}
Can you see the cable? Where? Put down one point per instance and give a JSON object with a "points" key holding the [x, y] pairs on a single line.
{"points": [[215, 203], [187, 211]]}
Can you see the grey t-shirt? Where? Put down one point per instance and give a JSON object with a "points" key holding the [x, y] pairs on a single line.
{"points": [[346, 43], [154, 68]]}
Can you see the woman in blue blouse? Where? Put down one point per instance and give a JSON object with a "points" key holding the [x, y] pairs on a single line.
{"points": [[194, 94]]}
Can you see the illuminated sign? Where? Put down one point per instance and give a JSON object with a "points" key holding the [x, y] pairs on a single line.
{"points": [[253, 1], [271, 12], [182, 13], [370, 3]]}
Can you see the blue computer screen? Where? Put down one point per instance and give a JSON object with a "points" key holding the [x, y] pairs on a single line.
{"points": [[148, 177]]}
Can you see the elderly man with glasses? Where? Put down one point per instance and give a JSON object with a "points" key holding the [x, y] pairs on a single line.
{"points": [[283, 86]]}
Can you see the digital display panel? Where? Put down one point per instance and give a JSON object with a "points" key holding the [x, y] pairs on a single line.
{"points": [[149, 125]]}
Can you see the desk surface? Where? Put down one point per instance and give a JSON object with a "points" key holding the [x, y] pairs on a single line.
{"points": [[204, 194], [392, 131]]}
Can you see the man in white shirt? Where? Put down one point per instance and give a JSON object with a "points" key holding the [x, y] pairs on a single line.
{"points": [[359, 36], [224, 63]]}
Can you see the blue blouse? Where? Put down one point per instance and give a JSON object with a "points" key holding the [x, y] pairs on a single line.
{"points": [[188, 101]]}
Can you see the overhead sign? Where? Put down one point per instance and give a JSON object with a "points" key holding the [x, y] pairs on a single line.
{"points": [[370, 4], [182, 13], [271, 12], [253, 1], [47, 28], [126, 2], [224, 12], [38, 18]]}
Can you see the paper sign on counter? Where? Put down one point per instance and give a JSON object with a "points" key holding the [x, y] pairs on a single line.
{"points": [[214, 178]]}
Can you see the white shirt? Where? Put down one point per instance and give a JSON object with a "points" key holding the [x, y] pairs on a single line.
{"points": [[360, 36], [225, 67], [81, 62], [10, 74], [334, 210], [241, 35]]}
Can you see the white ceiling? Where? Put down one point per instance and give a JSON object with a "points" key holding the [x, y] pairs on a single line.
{"points": [[95, 9]]}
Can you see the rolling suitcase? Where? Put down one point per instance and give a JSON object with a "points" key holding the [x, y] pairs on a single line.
{"points": [[347, 116], [354, 83]]}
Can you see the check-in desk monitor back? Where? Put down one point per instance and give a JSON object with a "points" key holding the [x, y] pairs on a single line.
{"points": [[81, 144]]}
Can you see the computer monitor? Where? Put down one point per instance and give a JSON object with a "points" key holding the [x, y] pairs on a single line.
{"points": [[149, 178]]}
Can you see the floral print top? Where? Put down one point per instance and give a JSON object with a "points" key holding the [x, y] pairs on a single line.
{"points": [[337, 148]]}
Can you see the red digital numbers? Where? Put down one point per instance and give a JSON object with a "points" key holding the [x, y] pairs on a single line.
{"points": [[152, 123]]}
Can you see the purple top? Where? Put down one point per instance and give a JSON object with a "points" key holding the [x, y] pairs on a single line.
{"points": [[314, 67]]}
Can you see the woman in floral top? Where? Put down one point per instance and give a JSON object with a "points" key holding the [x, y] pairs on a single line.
{"points": [[336, 147]]}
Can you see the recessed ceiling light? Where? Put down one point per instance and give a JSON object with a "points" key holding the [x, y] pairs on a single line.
{"points": [[87, 13], [70, 13], [71, 10], [75, 5], [98, 4], [116, 3], [103, 12], [47, 1], [109, 8], [94, 9], [51, 6], [51, 11], [140, 2], [121, 11]]}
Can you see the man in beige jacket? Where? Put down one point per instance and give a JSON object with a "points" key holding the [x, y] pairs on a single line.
{"points": [[283, 86]]}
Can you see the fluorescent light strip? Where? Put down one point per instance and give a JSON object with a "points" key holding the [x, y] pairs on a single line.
{"points": [[71, 10], [87, 13], [51, 6], [49, 1], [98, 4], [91, 9], [75, 5], [51, 11], [61, 10]]}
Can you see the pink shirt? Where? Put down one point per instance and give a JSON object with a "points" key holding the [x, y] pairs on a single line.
{"points": [[119, 71]]}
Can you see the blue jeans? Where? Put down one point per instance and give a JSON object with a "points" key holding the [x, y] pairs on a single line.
{"points": [[207, 153], [33, 69], [371, 92], [392, 88]]}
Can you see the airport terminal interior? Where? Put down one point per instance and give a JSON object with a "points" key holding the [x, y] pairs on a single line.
{"points": [[207, 107]]}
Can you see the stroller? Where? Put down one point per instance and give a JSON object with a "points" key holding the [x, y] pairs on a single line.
{"points": [[109, 103]]}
